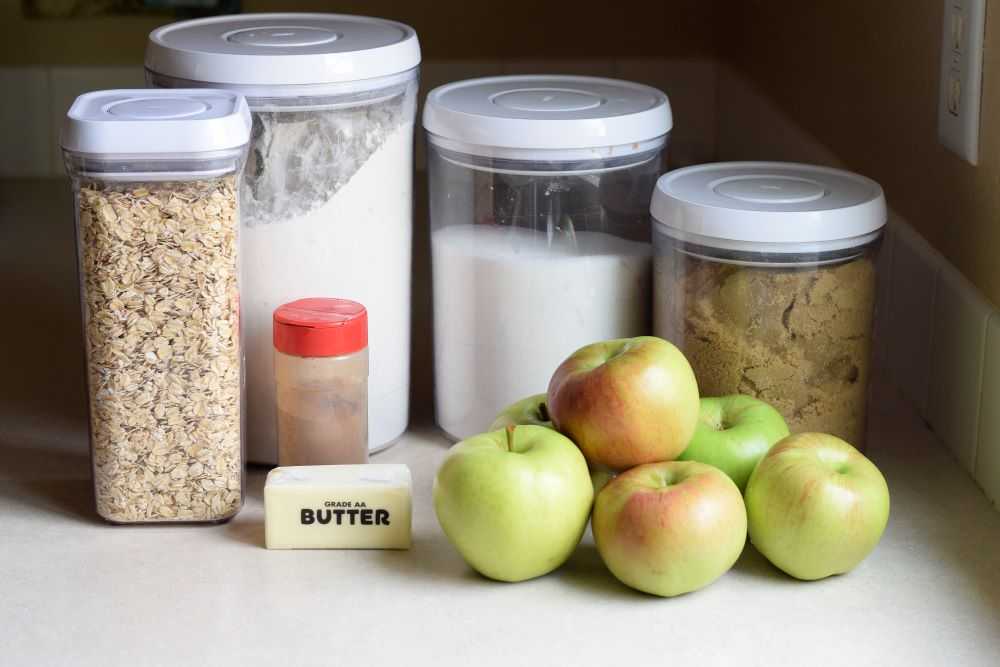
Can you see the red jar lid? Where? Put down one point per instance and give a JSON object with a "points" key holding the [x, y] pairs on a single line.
{"points": [[320, 327]]}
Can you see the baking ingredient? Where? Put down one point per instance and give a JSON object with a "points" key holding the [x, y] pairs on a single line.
{"points": [[733, 434], [515, 502], [321, 378], [299, 160], [530, 410], [816, 506], [670, 528], [511, 303], [340, 225], [159, 268], [322, 406], [338, 507], [797, 338], [626, 402]]}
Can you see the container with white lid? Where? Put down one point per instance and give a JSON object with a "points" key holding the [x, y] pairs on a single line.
{"points": [[327, 193], [539, 194], [154, 176], [765, 278], [159, 134]]}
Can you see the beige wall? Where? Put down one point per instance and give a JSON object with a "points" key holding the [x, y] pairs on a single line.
{"points": [[449, 29], [862, 82]]}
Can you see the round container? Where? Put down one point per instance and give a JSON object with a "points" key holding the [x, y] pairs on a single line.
{"points": [[154, 176], [765, 278], [539, 198], [321, 375], [327, 193]]}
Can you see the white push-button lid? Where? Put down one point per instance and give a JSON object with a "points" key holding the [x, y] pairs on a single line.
{"points": [[540, 113], [156, 122], [738, 205], [282, 49]]}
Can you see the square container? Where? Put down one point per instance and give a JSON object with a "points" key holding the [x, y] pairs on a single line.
{"points": [[154, 177]]}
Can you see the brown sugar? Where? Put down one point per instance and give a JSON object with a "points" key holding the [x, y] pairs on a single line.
{"points": [[797, 338]]}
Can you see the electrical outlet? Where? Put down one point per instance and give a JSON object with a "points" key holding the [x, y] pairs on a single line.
{"points": [[960, 87]]}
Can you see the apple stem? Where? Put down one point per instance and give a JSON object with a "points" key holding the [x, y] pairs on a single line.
{"points": [[510, 438], [543, 411]]}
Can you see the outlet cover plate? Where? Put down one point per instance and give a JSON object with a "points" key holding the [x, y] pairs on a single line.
{"points": [[961, 83]]}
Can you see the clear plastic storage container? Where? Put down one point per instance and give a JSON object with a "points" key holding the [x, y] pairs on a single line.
{"points": [[154, 177], [765, 278], [327, 193], [539, 198], [321, 375]]}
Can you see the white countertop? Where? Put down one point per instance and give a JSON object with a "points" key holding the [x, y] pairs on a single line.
{"points": [[76, 591]]}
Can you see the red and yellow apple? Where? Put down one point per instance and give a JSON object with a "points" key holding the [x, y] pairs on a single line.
{"points": [[669, 528], [816, 506], [626, 402]]}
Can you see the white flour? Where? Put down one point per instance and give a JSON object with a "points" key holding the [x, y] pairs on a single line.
{"points": [[509, 307], [356, 245]]}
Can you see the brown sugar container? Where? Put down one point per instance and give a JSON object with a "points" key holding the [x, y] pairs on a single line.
{"points": [[764, 275], [321, 378]]}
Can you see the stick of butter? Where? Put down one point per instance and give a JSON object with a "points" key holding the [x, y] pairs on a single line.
{"points": [[338, 507]]}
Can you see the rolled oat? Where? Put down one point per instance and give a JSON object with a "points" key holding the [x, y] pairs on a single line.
{"points": [[159, 272]]}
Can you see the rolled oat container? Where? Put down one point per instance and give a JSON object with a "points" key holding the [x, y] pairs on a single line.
{"points": [[154, 176], [765, 278], [327, 193], [540, 234]]}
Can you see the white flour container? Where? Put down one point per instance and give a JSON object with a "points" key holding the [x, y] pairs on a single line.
{"points": [[327, 193], [539, 195]]}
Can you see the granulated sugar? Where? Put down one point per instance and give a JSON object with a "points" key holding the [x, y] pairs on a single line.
{"points": [[509, 306]]}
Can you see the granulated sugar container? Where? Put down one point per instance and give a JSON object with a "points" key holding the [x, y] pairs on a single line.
{"points": [[539, 195], [327, 193], [765, 278], [154, 176]]}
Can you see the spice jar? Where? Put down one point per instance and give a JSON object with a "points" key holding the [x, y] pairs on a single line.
{"points": [[154, 177], [327, 195], [764, 276], [321, 380], [540, 241]]}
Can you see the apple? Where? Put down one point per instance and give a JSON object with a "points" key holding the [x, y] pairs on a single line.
{"points": [[528, 411], [600, 476], [733, 434], [514, 502], [670, 528], [816, 506], [626, 402]]}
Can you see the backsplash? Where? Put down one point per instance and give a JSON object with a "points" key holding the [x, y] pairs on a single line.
{"points": [[939, 340]]}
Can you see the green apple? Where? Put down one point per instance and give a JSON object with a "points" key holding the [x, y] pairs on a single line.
{"points": [[600, 476], [514, 502], [816, 506], [670, 528], [626, 402], [527, 411], [733, 434]]}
